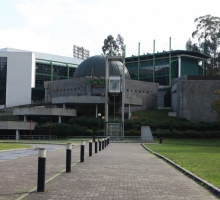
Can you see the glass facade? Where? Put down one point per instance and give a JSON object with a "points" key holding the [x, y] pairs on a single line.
{"points": [[3, 76], [43, 73], [166, 65], [49, 71], [161, 75]]}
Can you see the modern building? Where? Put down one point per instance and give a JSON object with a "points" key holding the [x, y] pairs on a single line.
{"points": [[23, 73], [86, 90], [31, 77], [164, 66]]}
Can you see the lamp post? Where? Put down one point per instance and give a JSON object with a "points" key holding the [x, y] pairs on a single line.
{"points": [[99, 116], [103, 117]]}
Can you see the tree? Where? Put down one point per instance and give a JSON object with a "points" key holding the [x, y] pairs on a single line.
{"points": [[207, 34]]}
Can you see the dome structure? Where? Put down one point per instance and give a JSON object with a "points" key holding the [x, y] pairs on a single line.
{"points": [[95, 67]]}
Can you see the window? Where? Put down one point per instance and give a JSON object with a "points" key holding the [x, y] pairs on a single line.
{"points": [[3, 76]]}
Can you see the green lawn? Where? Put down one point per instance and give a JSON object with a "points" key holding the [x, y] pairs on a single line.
{"points": [[201, 157], [6, 146]]}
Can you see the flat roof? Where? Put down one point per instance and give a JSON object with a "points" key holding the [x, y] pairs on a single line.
{"points": [[45, 56], [165, 54]]}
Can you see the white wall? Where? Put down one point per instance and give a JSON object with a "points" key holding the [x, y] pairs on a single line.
{"points": [[21, 73], [20, 78]]}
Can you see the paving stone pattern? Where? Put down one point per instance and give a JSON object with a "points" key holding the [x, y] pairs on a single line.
{"points": [[120, 171], [18, 176]]}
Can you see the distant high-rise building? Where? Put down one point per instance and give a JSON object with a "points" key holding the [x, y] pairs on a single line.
{"points": [[80, 52]]}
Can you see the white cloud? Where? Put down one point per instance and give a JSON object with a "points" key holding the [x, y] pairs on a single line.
{"points": [[40, 13], [53, 26]]}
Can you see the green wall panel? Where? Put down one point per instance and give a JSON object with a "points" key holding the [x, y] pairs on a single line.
{"points": [[189, 66]]}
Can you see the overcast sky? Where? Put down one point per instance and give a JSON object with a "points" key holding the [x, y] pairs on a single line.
{"points": [[53, 26]]}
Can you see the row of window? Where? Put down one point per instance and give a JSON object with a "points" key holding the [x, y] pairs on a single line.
{"points": [[65, 90], [3, 75], [137, 91], [43, 73], [75, 89], [161, 74]]}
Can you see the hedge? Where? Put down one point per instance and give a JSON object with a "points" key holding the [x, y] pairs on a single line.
{"points": [[177, 128]]}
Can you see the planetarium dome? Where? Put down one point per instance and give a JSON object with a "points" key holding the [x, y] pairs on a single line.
{"points": [[95, 66]]}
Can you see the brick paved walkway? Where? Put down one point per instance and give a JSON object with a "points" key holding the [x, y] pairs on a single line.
{"points": [[120, 171]]}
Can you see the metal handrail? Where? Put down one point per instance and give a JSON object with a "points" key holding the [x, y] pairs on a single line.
{"points": [[28, 137]]}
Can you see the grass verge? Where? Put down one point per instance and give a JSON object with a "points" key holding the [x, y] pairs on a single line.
{"points": [[200, 157], [7, 146]]}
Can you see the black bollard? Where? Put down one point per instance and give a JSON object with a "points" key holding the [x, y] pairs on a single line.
{"points": [[100, 145], [103, 145], [108, 141], [41, 169], [82, 152], [90, 148], [96, 146], [161, 140], [68, 157], [105, 142]]}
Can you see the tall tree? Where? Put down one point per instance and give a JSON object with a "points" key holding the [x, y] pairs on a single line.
{"points": [[207, 33]]}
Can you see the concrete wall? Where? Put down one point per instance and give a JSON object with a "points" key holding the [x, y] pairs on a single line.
{"points": [[146, 91], [39, 111], [16, 125], [69, 87], [20, 78], [192, 99], [77, 90], [174, 99]]}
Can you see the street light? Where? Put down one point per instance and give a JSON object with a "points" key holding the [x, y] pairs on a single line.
{"points": [[103, 117], [99, 116]]}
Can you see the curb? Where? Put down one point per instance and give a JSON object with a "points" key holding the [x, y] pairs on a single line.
{"points": [[209, 186]]}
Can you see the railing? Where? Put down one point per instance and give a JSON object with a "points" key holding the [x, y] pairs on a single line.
{"points": [[80, 138], [28, 137], [112, 138]]}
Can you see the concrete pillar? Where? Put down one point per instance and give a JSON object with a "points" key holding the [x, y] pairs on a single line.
{"points": [[64, 105], [179, 66], [106, 88], [60, 120], [25, 118], [123, 98], [17, 135]]}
